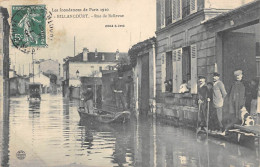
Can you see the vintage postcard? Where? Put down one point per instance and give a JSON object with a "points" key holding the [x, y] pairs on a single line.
{"points": [[129, 83]]}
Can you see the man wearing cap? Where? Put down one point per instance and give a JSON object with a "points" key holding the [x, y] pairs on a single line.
{"points": [[119, 91], [219, 93], [236, 98], [203, 96], [88, 99]]}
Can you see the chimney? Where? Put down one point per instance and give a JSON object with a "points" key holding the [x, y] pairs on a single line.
{"points": [[85, 54], [96, 53], [117, 54]]}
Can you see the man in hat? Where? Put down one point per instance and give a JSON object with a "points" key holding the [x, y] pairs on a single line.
{"points": [[203, 96], [119, 91], [236, 98], [219, 93], [88, 99]]}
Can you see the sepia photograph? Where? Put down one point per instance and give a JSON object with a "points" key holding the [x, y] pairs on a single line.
{"points": [[130, 83]]}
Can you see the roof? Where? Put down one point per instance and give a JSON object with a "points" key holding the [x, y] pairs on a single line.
{"points": [[239, 9], [97, 57]]}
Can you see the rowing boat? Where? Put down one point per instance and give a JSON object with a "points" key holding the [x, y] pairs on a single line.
{"points": [[101, 116]]}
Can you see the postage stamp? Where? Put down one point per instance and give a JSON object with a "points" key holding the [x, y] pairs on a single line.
{"points": [[28, 26]]}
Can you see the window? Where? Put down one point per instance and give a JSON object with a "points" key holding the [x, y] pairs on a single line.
{"points": [[258, 66], [168, 65], [184, 63], [193, 6], [176, 10], [100, 68], [162, 13], [168, 11], [103, 57], [177, 69], [257, 59], [163, 70]]}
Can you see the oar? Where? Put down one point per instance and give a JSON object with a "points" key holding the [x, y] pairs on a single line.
{"points": [[198, 119], [208, 117]]}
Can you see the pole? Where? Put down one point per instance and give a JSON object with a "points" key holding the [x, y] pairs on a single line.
{"points": [[74, 46], [208, 118], [33, 65]]}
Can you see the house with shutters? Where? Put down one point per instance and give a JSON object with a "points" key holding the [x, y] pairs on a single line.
{"points": [[88, 64], [199, 37]]}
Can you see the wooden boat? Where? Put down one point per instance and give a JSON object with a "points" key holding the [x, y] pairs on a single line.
{"points": [[101, 116]]}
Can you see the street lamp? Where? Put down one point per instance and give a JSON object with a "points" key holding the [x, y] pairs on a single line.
{"points": [[77, 73]]}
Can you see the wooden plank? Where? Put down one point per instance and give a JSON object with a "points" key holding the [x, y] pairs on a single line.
{"points": [[252, 129]]}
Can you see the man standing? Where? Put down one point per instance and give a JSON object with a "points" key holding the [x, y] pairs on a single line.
{"points": [[237, 98], [219, 93], [119, 92], [203, 96], [88, 100]]}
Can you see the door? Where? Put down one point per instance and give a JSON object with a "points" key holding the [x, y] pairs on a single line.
{"points": [[239, 52], [144, 92]]}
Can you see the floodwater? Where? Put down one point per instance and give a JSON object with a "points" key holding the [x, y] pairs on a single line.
{"points": [[50, 133]]}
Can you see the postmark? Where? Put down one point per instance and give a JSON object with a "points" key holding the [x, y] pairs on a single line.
{"points": [[20, 155], [28, 26]]}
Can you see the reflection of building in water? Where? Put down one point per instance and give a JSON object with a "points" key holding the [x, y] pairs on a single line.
{"points": [[4, 131], [4, 53]]}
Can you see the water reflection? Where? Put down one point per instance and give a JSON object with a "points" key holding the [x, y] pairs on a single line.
{"points": [[51, 134]]}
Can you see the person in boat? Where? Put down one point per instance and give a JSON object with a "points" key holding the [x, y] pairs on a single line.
{"points": [[236, 99], [219, 93], [203, 96], [119, 92], [88, 99]]}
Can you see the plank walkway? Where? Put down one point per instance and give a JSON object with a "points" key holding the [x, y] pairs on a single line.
{"points": [[249, 129]]}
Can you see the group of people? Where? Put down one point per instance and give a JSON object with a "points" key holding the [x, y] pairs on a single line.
{"points": [[211, 97], [121, 91]]}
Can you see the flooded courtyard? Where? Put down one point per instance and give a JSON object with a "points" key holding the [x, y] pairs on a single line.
{"points": [[50, 133]]}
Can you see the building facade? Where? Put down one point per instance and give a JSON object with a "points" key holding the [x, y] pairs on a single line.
{"points": [[143, 58], [4, 53], [88, 64], [199, 37]]}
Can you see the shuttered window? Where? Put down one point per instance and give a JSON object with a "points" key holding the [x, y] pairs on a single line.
{"points": [[162, 13], [163, 70], [193, 6], [176, 69], [176, 10], [193, 52]]}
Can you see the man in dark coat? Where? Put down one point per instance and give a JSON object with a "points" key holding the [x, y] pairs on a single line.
{"points": [[203, 96], [88, 100], [119, 92], [236, 99]]}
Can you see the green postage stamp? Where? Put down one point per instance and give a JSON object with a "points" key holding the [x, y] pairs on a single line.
{"points": [[28, 26]]}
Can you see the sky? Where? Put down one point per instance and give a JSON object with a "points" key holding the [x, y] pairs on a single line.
{"points": [[139, 24]]}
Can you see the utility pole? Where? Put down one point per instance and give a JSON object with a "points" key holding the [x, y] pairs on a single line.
{"points": [[74, 46], [33, 64]]}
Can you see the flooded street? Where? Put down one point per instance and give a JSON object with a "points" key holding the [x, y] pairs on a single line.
{"points": [[50, 134]]}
